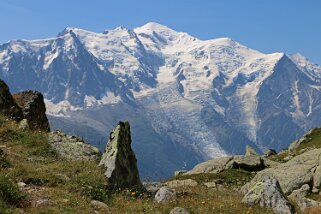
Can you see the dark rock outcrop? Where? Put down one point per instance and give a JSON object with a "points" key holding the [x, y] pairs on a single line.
{"points": [[165, 194], [8, 105], [119, 159], [33, 109]]}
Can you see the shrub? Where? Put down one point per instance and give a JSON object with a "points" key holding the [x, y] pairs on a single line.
{"points": [[97, 192], [10, 193]]}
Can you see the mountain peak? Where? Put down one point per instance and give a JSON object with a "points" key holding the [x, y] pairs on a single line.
{"points": [[151, 27]]}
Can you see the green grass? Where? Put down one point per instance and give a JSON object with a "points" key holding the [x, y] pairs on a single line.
{"points": [[279, 157], [313, 140], [71, 185]]}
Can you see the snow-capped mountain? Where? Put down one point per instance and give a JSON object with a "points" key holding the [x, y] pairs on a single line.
{"points": [[186, 99]]}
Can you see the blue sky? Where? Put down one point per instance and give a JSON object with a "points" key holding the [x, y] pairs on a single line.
{"points": [[267, 25]]}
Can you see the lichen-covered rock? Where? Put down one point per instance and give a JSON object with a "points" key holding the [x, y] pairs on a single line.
{"points": [[8, 105], [33, 109], [250, 151], [248, 163], [305, 203], [293, 174], [165, 194], [24, 125], [299, 196], [179, 210], [268, 193], [211, 166], [72, 147], [119, 159], [300, 193], [210, 184]]}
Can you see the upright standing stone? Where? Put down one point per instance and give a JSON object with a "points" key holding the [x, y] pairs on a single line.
{"points": [[119, 159]]}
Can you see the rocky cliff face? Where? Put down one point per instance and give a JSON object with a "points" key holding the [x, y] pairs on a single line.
{"points": [[33, 109], [119, 159], [8, 106], [27, 105]]}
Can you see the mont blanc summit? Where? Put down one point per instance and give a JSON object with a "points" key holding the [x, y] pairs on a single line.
{"points": [[187, 99]]}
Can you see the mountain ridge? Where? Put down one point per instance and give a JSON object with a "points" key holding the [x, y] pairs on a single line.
{"points": [[203, 98]]}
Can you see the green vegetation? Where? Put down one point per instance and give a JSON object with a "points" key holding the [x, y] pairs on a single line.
{"points": [[312, 140], [230, 177], [27, 157], [279, 157], [10, 195], [57, 185]]}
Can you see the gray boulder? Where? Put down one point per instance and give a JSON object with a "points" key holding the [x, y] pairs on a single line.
{"points": [[210, 184], [293, 174], [249, 163], [305, 203], [179, 210], [165, 194], [212, 166], [300, 193], [119, 160], [24, 125], [299, 196], [72, 147], [268, 193]]}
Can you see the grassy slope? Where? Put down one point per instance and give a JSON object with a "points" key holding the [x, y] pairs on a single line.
{"points": [[71, 185]]}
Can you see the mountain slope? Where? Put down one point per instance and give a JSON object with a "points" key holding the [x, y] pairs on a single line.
{"points": [[187, 99]]}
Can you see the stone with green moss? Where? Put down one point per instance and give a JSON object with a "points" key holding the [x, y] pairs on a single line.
{"points": [[119, 159]]}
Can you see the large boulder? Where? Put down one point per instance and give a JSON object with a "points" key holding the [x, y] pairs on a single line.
{"points": [[165, 194], [268, 193], [119, 159], [248, 163], [211, 166], [33, 109], [72, 147], [302, 169], [8, 106]]}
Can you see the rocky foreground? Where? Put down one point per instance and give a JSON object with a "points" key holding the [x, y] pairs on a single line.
{"points": [[52, 172]]}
